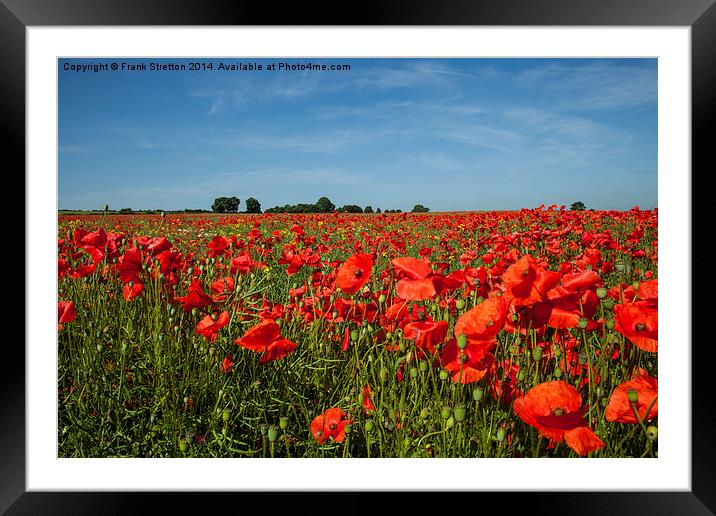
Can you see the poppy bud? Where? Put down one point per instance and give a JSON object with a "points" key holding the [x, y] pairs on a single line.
{"points": [[635, 285], [413, 372], [194, 311], [383, 374], [445, 412], [443, 375], [610, 324], [601, 292], [582, 358], [369, 426], [557, 351], [273, 433], [283, 423], [381, 298], [557, 372], [632, 395], [423, 366], [521, 375], [348, 428], [479, 300], [652, 432], [462, 341], [477, 394], [514, 318], [190, 271], [183, 446], [619, 266], [450, 422], [354, 335], [424, 413], [500, 434], [459, 412], [583, 323], [459, 304], [537, 354]]}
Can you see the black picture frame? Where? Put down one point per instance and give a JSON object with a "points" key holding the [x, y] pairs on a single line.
{"points": [[17, 15]]}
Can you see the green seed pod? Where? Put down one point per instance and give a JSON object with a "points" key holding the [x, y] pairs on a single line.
{"points": [[610, 324], [619, 266], [460, 304], [423, 366], [183, 446], [462, 341], [194, 311], [443, 375], [557, 351], [283, 423], [424, 413], [263, 428], [514, 318], [477, 393], [273, 433], [635, 285], [383, 374], [583, 323], [348, 428], [500, 434], [557, 372], [652, 432], [609, 303], [354, 335], [450, 422], [381, 299], [521, 375], [537, 354], [601, 292], [459, 412], [632, 395], [413, 372], [369, 426], [445, 412], [225, 415]]}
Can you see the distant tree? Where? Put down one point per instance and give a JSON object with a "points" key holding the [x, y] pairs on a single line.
{"points": [[419, 208], [125, 210], [377, 210], [578, 206], [225, 205], [324, 205], [252, 205], [368, 209], [350, 208]]}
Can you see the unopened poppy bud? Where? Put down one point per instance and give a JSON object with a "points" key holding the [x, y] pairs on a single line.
{"points": [[263, 429], [557, 372], [652, 432], [423, 366], [450, 422], [273, 433], [462, 341], [521, 375], [369, 426], [582, 358], [601, 292], [413, 372], [619, 266], [354, 335], [610, 324], [443, 375], [500, 434], [445, 412], [632, 395], [283, 423], [194, 311], [225, 415], [348, 428], [459, 304], [459, 412], [190, 271], [583, 323], [424, 413], [477, 394], [557, 351], [383, 374], [381, 298], [514, 318], [537, 354], [635, 285], [183, 446]]}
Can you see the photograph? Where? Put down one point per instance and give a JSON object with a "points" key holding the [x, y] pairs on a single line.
{"points": [[358, 257]]}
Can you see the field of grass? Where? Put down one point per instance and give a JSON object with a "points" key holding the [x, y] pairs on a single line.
{"points": [[530, 333]]}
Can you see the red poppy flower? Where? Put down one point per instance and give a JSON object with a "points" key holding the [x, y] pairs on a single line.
{"points": [[210, 328], [331, 423], [638, 322], [484, 321], [619, 409], [418, 281], [195, 298], [241, 264], [354, 273], [469, 366], [527, 283], [66, 312], [132, 290], [228, 363], [426, 334], [130, 265], [222, 288], [367, 399], [265, 338], [555, 409]]}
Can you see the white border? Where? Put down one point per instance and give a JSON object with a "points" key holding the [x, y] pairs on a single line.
{"points": [[672, 470]]}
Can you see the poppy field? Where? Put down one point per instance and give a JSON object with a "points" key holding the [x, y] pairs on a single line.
{"points": [[530, 333]]}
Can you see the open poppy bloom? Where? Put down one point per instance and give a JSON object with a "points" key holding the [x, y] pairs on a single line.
{"points": [[195, 298], [265, 338], [354, 273], [638, 322], [468, 365], [555, 409], [330, 424], [418, 281], [526, 283], [132, 290], [619, 409], [484, 321], [367, 393], [222, 288], [66, 312], [426, 334], [210, 328]]}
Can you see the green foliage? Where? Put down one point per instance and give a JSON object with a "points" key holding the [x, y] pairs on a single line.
{"points": [[368, 209], [226, 205], [578, 206], [324, 205], [350, 208], [252, 205], [419, 208]]}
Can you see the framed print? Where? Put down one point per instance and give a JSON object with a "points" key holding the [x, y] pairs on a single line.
{"points": [[280, 345]]}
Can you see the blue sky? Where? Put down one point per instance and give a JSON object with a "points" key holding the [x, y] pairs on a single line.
{"points": [[451, 134]]}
